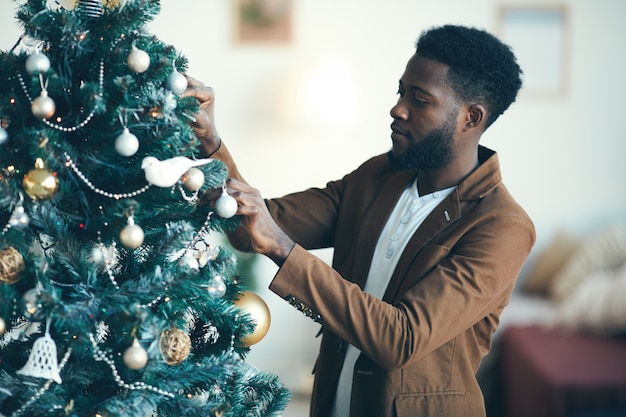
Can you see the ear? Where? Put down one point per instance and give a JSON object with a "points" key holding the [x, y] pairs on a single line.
{"points": [[476, 116]]}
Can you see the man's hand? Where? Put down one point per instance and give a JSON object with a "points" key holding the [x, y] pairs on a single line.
{"points": [[204, 125], [264, 235]]}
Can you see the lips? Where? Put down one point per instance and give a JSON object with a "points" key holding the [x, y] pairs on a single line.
{"points": [[397, 131]]}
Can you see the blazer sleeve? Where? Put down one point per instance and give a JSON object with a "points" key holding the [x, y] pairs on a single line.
{"points": [[468, 281]]}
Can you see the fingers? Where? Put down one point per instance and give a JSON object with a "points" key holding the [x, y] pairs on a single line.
{"points": [[248, 198], [198, 90]]}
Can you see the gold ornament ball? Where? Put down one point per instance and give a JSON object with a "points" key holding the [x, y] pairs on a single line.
{"points": [[175, 346], [193, 179], [254, 305], [131, 236], [3, 326], [11, 265], [39, 183], [135, 357]]}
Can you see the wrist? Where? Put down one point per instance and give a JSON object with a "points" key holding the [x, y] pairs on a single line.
{"points": [[214, 151], [281, 253]]}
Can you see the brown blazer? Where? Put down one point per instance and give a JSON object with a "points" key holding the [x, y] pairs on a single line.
{"points": [[422, 344]]}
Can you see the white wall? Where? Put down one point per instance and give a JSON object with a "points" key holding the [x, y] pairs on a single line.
{"points": [[561, 157]]}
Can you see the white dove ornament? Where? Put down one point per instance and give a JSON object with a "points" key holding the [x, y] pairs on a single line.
{"points": [[167, 173]]}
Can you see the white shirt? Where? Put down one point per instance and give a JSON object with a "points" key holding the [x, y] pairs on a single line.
{"points": [[407, 216]]}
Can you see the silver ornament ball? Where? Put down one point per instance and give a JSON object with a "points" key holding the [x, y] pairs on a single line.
{"points": [[216, 287], [34, 302], [43, 107], [126, 144], [131, 236], [37, 63], [193, 179], [176, 83], [19, 219], [226, 206], [138, 61], [4, 136]]}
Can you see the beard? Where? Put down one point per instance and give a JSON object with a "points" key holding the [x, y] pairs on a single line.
{"points": [[432, 152]]}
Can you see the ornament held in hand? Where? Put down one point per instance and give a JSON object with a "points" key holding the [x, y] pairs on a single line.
{"points": [[256, 308], [166, 173], [176, 83], [135, 357], [39, 183], [226, 206]]}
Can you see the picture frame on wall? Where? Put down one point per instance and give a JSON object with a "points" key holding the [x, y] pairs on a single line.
{"points": [[263, 22], [539, 37]]}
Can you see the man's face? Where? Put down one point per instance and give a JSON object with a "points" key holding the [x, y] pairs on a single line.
{"points": [[425, 117]]}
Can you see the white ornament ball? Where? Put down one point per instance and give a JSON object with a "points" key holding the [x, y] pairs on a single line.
{"points": [[3, 326], [176, 83], [131, 236], [135, 357], [4, 136], [43, 107], [193, 179], [138, 61], [226, 206], [126, 144], [37, 63]]}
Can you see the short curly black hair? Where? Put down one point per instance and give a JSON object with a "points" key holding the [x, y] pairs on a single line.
{"points": [[481, 67]]}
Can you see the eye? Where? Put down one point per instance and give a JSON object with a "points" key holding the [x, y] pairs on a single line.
{"points": [[419, 101]]}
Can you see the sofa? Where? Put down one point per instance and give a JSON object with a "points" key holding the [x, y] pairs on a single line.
{"points": [[560, 349]]}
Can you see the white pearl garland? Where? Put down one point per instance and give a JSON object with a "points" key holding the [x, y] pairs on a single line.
{"points": [[81, 124], [97, 190], [100, 356], [107, 264], [44, 388], [190, 198]]}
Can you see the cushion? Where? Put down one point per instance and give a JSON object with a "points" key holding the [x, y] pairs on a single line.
{"points": [[606, 250], [549, 263], [596, 305]]}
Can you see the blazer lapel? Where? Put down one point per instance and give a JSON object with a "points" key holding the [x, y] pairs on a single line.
{"points": [[374, 221], [444, 214]]}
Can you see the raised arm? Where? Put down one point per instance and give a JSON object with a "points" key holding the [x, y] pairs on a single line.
{"points": [[258, 231], [205, 129]]}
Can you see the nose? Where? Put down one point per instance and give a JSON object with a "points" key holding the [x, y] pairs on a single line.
{"points": [[398, 111]]}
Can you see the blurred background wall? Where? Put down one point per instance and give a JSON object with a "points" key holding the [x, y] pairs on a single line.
{"points": [[301, 113]]}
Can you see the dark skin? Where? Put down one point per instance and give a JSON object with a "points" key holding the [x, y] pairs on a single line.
{"points": [[425, 103]]}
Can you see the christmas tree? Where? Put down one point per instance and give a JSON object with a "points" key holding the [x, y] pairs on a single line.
{"points": [[113, 301]]}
